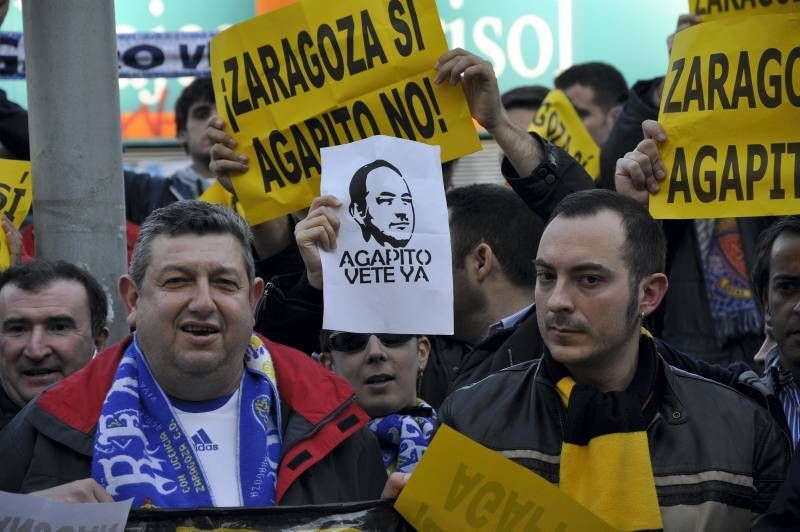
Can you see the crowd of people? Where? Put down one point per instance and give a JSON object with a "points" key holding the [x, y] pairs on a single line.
{"points": [[591, 344]]}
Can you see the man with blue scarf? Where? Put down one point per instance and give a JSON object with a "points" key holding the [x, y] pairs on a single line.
{"points": [[193, 409]]}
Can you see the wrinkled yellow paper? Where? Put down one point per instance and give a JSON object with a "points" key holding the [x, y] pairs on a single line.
{"points": [[16, 194], [730, 108], [461, 485], [557, 121], [318, 73], [219, 196]]}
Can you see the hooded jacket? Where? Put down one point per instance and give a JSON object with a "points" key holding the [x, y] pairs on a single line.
{"points": [[328, 456]]}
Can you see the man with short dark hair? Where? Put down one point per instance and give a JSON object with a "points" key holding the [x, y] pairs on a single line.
{"points": [[52, 321], [521, 103], [597, 91], [381, 204], [493, 280], [641, 444], [194, 409], [145, 193]]}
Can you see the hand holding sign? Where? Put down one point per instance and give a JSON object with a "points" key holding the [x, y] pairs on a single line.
{"points": [[730, 111], [225, 163], [478, 81], [84, 490], [14, 241], [638, 173], [317, 230]]}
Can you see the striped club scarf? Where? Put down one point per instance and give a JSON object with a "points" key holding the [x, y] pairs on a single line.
{"points": [[605, 457]]}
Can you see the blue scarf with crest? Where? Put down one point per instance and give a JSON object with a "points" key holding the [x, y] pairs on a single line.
{"points": [[142, 452], [404, 436]]}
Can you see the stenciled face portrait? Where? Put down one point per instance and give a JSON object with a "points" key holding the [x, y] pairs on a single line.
{"points": [[44, 336], [382, 205], [382, 369], [194, 311], [585, 307], [783, 299]]}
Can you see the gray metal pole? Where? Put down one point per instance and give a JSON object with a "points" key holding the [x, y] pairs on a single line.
{"points": [[76, 144]]}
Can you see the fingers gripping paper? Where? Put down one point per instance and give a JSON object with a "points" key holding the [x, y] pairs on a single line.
{"points": [[319, 73], [730, 111], [391, 271]]}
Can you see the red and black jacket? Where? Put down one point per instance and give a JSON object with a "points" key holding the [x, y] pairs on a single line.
{"points": [[328, 456]]}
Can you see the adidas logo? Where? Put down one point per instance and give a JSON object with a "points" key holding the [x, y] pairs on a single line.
{"points": [[202, 442]]}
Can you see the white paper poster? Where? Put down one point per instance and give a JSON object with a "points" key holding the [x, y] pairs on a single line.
{"points": [[31, 512], [391, 271]]}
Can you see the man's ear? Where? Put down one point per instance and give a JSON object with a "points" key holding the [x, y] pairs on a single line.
{"points": [[652, 290], [482, 261], [129, 294], [326, 360], [258, 291], [423, 350], [100, 339], [613, 114], [183, 139]]}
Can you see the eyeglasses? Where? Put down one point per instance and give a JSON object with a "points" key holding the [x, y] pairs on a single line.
{"points": [[351, 342]]}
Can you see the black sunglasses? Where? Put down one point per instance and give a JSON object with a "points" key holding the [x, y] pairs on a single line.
{"points": [[350, 342]]}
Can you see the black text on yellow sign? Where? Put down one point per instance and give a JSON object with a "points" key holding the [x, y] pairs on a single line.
{"points": [[713, 9], [308, 62], [411, 111], [557, 121], [318, 74], [730, 112]]}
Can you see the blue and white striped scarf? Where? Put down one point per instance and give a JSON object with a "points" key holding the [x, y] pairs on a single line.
{"points": [[404, 436], [142, 452]]}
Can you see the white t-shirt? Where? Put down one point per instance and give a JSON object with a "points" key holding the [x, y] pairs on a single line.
{"points": [[212, 427]]}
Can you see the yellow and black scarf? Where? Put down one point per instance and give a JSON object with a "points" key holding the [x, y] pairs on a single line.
{"points": [[605, 457]]}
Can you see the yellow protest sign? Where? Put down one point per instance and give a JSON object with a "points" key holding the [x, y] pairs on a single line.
{"points": [[318, 73], [714, 9], [557, 121], [730, 111], [219, 196], [461, 485], [15, 199]]}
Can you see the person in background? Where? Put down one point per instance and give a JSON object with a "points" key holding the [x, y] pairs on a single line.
{"points": [[597, 91], [52, 321], [521, 103]]}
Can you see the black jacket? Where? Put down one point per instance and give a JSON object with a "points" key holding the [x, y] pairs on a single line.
{"points": [[8, 409], [708, 443], [328, 455], [452, 364], [784, 512]]}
